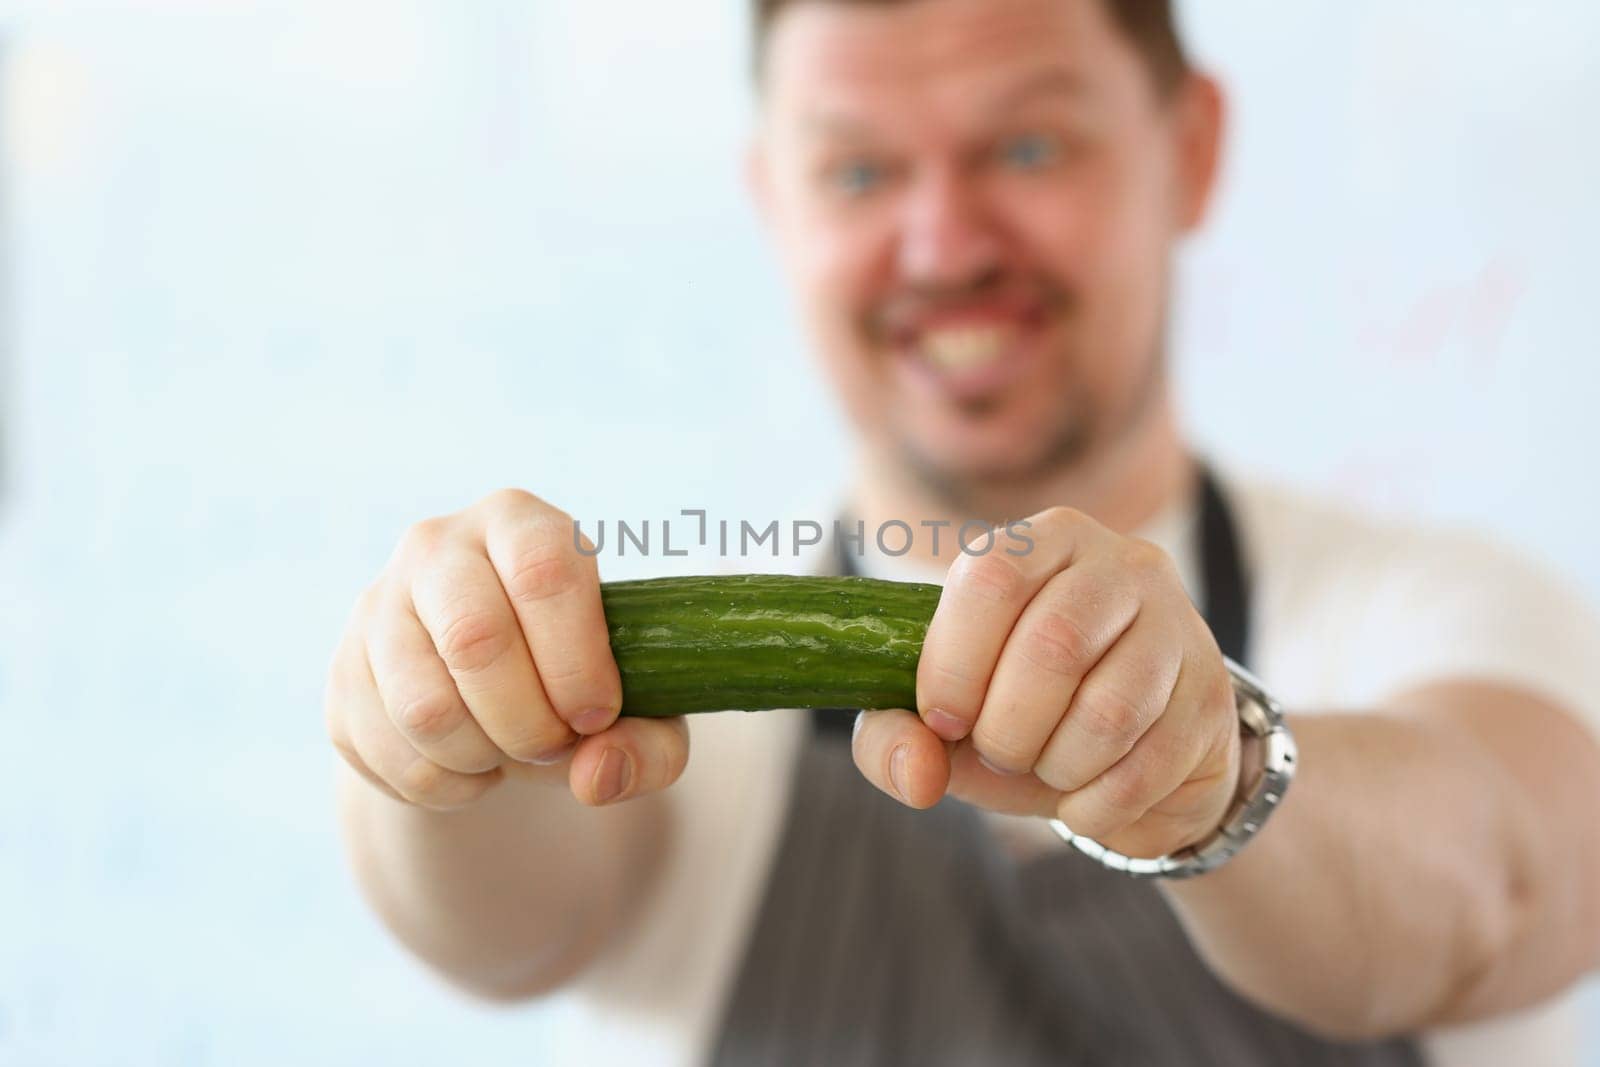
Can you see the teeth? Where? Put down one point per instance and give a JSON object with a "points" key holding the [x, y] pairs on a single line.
{"points": [[957, 348]]}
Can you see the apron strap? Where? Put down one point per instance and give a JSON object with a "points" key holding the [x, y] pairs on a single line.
{"points": [[1225, 579]]}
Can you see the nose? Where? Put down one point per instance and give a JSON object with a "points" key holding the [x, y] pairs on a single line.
{"points": [[948, 240]]}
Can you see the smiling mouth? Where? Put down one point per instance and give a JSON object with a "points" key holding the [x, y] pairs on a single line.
{"points": [[972, 364], [958, 348], [978, 344]]}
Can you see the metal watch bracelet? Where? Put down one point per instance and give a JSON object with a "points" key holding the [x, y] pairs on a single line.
{"points": [[1260, 716]]}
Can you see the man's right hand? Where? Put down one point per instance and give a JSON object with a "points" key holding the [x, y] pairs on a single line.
{"points": [[482, 648]]}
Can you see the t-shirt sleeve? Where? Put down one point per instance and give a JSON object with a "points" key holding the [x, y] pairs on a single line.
{"points": [[1457, 606]]}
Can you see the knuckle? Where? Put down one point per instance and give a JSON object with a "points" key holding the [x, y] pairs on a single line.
{"points": [[1061, 515], [1144, 557], [1061, 770], [424, 782], [1122, 792], [1108, 717], [473, 640], [424, 539], [540, 572], [1005, 749], [946, 680], [429, 717], [566, 670], [525, 744], [1058, 644], [513, 500], [375, 780], [428, 785], [367, 603], [529, 515], [992, 576]]}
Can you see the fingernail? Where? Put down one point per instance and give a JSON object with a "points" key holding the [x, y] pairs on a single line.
{"points": [[555, 755], [946, 725], [997, 770], [592, 721], [897, 770], [613, 776]]}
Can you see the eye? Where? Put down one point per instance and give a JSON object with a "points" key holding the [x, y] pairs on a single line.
{"points": [[1030, 151], [857, 177]]}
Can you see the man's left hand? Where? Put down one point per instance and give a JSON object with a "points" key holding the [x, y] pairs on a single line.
{"points": [[1074, 681]]}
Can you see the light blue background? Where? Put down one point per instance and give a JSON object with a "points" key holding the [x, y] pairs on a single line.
{"points": [[285, 278]]}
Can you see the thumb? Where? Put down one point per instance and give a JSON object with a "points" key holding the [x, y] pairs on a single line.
{"points": [[897, 752]]}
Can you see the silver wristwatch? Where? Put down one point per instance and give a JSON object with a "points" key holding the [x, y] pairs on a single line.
{"points": [[1260, 717]]}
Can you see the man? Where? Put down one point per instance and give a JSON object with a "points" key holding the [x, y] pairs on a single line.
{"points": [[978, 202]]}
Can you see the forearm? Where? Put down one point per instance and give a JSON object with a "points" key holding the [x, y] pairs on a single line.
{"points": [[512, 896], [1426, 867]]}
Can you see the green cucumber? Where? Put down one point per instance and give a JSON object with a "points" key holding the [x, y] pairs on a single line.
{"points": [[751, 642]]}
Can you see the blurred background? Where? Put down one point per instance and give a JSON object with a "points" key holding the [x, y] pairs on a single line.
{"points": [[277, 280]]}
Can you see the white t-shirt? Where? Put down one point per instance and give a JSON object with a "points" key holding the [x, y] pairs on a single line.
{"points": [[1346, 610]]}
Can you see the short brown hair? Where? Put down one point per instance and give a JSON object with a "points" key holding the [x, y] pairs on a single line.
{"points": [[1149, 25]]}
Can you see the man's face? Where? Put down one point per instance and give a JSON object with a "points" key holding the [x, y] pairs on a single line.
{"points": [[977, 201]]}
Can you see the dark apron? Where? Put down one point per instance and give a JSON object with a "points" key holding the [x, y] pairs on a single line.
{"points": [[893, 936]]}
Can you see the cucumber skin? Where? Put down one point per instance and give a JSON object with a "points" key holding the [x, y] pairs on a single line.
{"points": [[753, 642]]}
